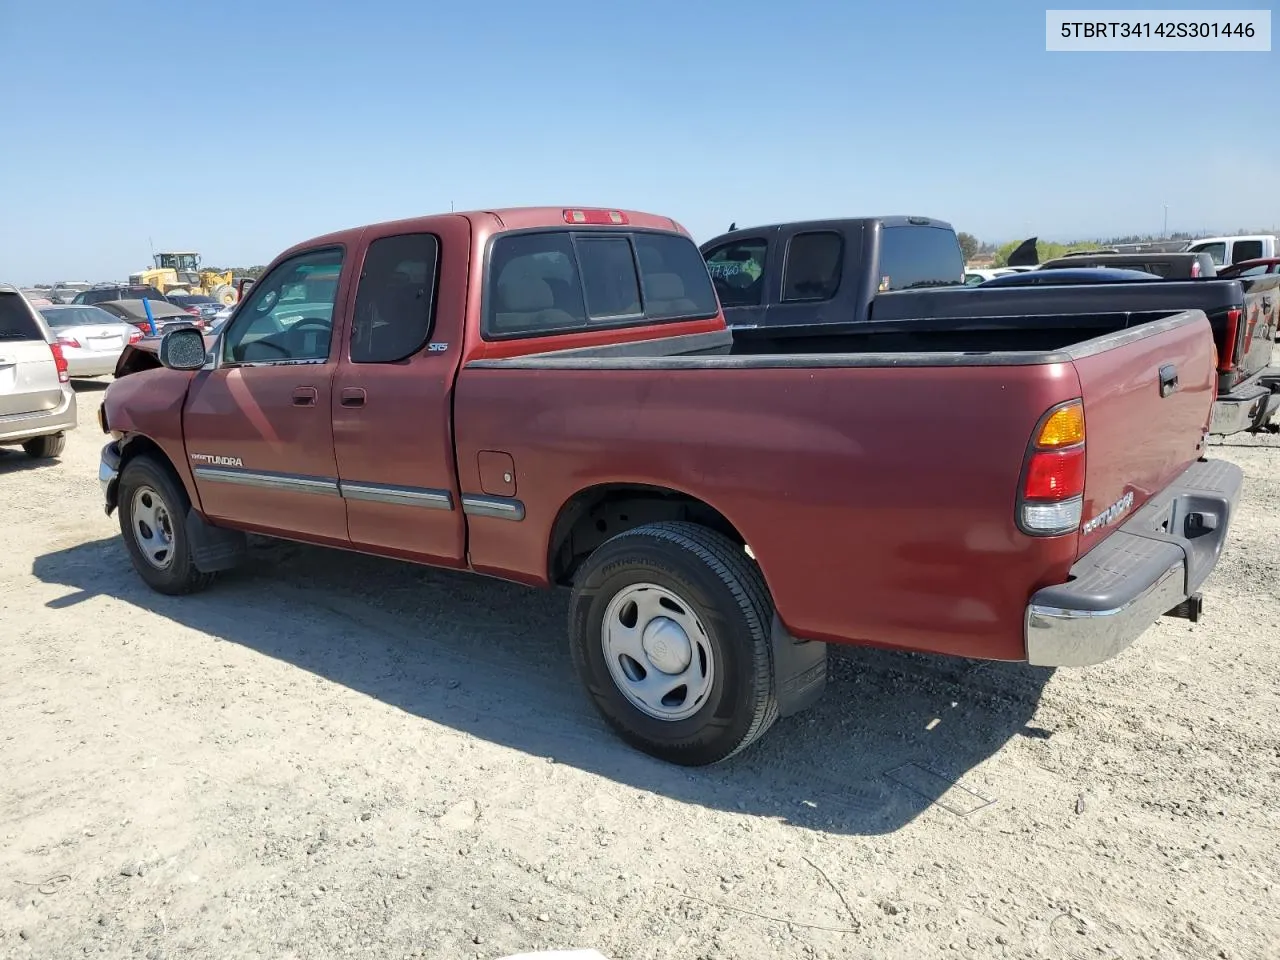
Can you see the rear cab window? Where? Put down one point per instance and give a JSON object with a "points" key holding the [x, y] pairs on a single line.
{"points": [[16, 322], [543, 282], [913, 257]]}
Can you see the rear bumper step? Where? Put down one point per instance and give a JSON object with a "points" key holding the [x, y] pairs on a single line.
{"points": [[1154, 565], [1247, 407]]}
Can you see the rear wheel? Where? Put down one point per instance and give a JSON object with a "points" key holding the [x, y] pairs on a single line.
{"points": [[224, 294], [153, 510], [669, 630], [46, 448]]}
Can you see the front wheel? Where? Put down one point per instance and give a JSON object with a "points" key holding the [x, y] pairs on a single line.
{"points": [[153, 510], [669, 629]]}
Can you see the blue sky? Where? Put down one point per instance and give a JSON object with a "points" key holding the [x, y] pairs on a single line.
{"points": [[305, 117]]}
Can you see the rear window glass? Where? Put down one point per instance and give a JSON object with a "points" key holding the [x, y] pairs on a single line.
{"points": [[16, 322], [560, 281], [77, 316], [676, 282], [104, 294], [609, 277], [915, 257]]}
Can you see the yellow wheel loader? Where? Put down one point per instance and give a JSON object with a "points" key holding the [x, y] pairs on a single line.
{"points": [[179, 272]]}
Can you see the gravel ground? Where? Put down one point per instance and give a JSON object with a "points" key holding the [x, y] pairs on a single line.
{"points": [[334, 756]]}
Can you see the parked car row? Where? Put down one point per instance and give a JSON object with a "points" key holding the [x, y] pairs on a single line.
{"points": [[37, 403], [710, 448], [44, 344]]}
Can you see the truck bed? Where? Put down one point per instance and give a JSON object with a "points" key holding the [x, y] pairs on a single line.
{"points": [[933, 341], [888, 474]]}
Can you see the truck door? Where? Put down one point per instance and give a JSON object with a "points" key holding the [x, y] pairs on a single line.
{"points": [[258, 429], [392, 400]]}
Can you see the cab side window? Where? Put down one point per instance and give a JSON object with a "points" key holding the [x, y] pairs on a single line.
{"points": [[737, 270], [288, 315], [1243, 250], [395, 302], [813, 267]]}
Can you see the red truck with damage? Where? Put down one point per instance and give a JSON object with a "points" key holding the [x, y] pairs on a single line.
{"points": [[551, 396]]}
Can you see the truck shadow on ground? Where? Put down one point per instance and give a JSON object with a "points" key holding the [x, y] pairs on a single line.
{"points": [[15, 460], [490, 659]]}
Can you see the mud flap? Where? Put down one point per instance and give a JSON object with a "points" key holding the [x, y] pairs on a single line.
{"points": [[215, 548], [799, 669]]}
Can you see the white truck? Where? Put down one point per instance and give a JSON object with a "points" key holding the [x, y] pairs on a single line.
{"points": [[1229, 250]]}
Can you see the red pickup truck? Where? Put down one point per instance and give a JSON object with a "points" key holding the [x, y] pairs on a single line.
{"points": [[552, 397]]}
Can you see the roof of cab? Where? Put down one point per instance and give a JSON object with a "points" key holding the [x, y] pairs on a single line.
{"points": [[830, 223], [498, 220]]}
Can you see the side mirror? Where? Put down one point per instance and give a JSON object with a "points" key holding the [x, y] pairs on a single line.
{"points": [[182, 349]]}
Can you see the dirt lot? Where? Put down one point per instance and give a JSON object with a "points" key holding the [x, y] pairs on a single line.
{"points": [[332, 756]]}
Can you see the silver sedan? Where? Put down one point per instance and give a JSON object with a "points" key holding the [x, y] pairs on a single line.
{"points": [[92, 339]]}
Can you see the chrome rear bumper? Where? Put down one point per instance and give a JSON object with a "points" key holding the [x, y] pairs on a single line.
{"points": [[1146, 569]]}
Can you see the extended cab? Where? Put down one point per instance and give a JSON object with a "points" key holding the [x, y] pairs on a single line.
{"points": [[552, 397], [783, 283]]}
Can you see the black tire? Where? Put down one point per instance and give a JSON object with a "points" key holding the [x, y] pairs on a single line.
{"points": [[727, 595], [179, 575], [47, 447]]}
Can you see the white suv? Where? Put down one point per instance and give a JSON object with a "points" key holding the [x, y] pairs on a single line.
{"points": [[37, 403]]}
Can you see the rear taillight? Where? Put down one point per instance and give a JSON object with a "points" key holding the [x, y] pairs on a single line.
{"points": [[1195, 269], [60, 362], [192, 310], [1051, 497], [135, 335], [1227, 357], [69, 342]]}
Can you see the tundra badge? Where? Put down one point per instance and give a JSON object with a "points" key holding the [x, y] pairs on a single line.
{"points": [[1109, 515], [210, 459]]}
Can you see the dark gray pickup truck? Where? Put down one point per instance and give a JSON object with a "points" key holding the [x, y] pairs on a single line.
{"points": [[895, 276]]}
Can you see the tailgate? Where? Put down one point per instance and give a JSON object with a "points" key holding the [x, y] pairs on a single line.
{"points": [[1140, 433], [28, 378]]}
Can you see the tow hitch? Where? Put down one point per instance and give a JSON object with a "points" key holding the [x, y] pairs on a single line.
{"points": [[1188, 609]]}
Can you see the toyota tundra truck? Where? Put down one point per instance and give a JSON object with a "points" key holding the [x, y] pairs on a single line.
{"points": [[552, 396]]}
